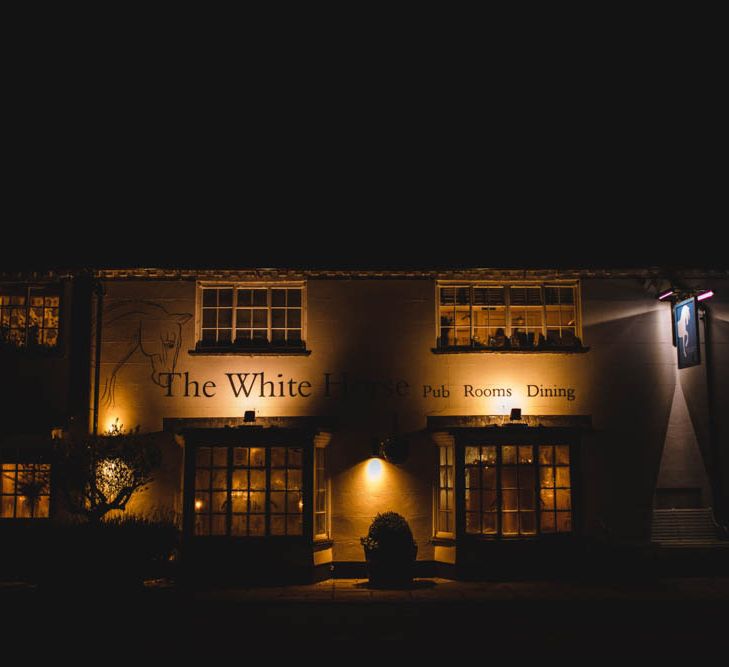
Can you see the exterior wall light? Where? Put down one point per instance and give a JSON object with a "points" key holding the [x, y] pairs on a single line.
{"points": [[374, 470], [394, 449], [515, 415], [666, 294], [705, 295], [249, 416]]}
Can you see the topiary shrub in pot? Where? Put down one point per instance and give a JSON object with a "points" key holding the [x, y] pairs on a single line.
{"points": [[390, 551]]}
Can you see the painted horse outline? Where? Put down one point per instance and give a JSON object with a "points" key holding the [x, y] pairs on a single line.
{"points": [[162, 348]]}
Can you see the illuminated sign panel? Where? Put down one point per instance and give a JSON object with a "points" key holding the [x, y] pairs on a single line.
{"points": [[686, 323]]}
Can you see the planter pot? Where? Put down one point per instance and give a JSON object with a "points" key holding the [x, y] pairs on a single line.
{"points": [[392, 569]]}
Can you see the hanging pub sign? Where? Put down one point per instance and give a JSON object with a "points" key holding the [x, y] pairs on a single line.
{"points": [[686, 323]]}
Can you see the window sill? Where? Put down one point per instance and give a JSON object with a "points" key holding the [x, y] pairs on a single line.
{"points": [[443, 541], [509, 350], [234, 351]]}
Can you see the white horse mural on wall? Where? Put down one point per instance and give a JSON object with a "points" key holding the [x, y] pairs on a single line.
{"points": [[682, 327], [156, 333]]}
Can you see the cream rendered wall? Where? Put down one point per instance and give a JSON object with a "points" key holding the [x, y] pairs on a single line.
{"points": [[382, 331]]}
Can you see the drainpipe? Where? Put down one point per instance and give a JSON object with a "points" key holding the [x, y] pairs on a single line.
{"points": [[99, 292], [717, 470]]}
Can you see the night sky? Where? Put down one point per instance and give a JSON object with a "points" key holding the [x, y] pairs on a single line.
{"points": [[124, 160]]}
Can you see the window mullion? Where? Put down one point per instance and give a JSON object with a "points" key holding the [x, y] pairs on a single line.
{"points": [[470, 315]]}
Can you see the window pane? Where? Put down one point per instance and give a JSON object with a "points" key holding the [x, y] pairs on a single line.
{"points": [[209, 317], [510, 523], [278, 457], [278, 501], [217, 524], [210, 297], [473, 500], [278, 479], [258, 479], [546, 454], [472, 455], [563, 500], [546, 497], [238, 501], [563, 476], [278, 525], [527, 523], [526, 454], [240, 456], [278, 297], [294, 298], [202, 524], [527, 499], [473, 478], [245, 297], [225, 297], [508, 477], [238, 525], [563, 454], [220, 478], [294, 454], [294, 525], [526, 477], [489, 523], [509, 500], [508, 454], [220, 501], [257, 501], [488, 477], [225, 318], [258, 458], [202, 479], [546, 477], [548, 522], [278, 318], [259, 297], [256, 525], [294, 318], [240, 479], [564, 522], [220, 456], [260, 318], [294, 479], [294, 503], [473, 522]]}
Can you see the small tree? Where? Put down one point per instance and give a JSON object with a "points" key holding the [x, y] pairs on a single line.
{"points": [[99, 474]]}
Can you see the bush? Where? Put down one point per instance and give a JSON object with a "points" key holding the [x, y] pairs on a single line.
{"points": [[390, 551], [389, 531]]}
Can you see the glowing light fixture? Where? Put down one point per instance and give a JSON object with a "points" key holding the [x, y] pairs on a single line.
{"points": [[664, 295], [705, 295], [374, 470], [198, 504]]}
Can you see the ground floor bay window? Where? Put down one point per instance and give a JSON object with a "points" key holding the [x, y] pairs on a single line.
{"points": [[506, 490], [256, 489], [517, 490]]}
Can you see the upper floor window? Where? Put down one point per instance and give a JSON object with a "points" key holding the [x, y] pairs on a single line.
{"points": [[29, 317], [252, 316], [475, 316]]}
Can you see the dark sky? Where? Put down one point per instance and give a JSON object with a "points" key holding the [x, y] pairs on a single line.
{"points": [[606, 162]]}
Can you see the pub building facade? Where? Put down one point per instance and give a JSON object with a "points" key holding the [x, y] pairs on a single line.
{"points": [[506, 414]]}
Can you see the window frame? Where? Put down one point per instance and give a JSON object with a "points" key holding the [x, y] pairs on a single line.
{"points": [[437, 488], [28, 291], [508, 325], [552, 436], [252, 348], [325, 536], [21, 457], [250, 437]]}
